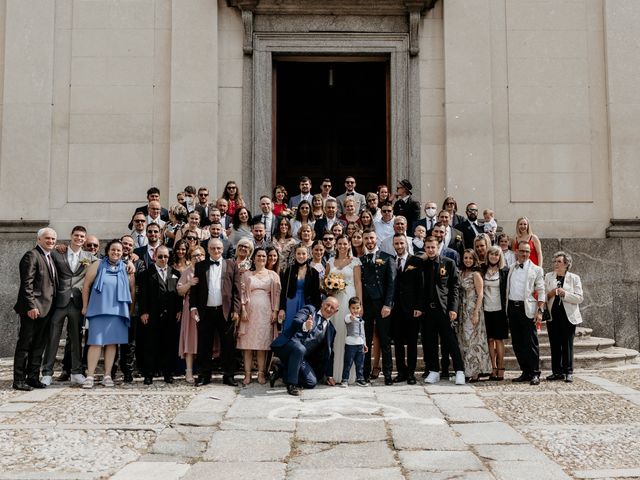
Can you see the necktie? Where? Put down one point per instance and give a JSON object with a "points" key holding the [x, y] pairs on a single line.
{"points": [[51, 267], [399, 264], [74, 261], [163, 274], [140, 240], [152, 251]]}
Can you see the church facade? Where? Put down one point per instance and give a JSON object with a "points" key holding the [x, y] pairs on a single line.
{"points": [[525, 107]]}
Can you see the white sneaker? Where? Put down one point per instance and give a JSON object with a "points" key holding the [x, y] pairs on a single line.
{"points": [[344, 384], [46, 379], [459, 377], [433, 377], [107, 381], [77, 378]]}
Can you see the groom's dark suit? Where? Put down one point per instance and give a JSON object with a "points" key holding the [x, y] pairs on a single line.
{"points": [[38, 283], [305, 356], [378, 280]]}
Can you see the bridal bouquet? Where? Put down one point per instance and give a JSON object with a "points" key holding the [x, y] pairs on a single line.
{"points": [[334, 283]]}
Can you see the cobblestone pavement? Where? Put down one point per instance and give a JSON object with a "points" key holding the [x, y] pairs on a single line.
{"points": [[490, 430]]}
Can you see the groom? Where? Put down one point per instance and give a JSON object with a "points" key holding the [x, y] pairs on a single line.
{"points": [[310, 335]]}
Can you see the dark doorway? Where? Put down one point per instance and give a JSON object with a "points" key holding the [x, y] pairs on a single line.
{"points": [[331, 120]]}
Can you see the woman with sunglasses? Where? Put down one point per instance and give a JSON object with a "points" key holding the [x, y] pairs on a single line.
{"points": [[451, 206], [232, 195], [188, 343]]}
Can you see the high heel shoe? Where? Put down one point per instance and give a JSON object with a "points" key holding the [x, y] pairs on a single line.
{"points": [[262, 379], [500, 377], [247, 378], [188, 376]]}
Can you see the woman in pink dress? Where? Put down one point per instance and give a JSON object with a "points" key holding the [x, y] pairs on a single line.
{"points": [[257, 327], [188, 343]]}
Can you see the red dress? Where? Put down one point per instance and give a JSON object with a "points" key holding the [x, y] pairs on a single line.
{"points": [[278, 208]]}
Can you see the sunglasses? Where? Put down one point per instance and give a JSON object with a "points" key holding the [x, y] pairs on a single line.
{"points": [[140, 221], [160, 257], [203, 194], [191, 239], [92, 245], [450, 203]]}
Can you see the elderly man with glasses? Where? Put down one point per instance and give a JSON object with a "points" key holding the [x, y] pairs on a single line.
{"points": [[526, 295]]}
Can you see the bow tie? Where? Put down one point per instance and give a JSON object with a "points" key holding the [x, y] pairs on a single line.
{"points": [[215, 262], [350, 194], [521, 265]]}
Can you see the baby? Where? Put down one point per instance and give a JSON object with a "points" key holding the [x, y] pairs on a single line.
{"points": [[490, 224]]}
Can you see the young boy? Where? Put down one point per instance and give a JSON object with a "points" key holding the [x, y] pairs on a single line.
{"points": [[490, 224], [355, 345]]}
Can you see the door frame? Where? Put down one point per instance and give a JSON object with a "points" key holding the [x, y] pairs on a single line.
{"points": [[403, 109]]}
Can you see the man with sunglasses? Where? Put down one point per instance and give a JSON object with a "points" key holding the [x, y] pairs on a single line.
{"points": [[92, 245], [350, 192], [470, 228], [148, 253], [325, 190], [384, 226], [159, 307], [526, 295], [203, 206], [139, 232]]}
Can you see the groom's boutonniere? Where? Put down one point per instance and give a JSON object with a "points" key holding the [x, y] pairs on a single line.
{"points": [[379, 261], [443, 271], [410, 267], [84, 262]]}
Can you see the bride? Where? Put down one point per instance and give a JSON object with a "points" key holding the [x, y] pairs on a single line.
{"points": [[349, 267]]}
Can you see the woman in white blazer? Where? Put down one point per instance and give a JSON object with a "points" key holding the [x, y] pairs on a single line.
{"points": [[564, 294]]}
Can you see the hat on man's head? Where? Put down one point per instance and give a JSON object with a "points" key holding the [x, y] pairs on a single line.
{"points": [[407, 185]]}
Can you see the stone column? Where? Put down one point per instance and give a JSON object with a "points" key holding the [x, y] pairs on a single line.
{"points": [[25, 156], [468, 107], [621, 31], [194, 95]]}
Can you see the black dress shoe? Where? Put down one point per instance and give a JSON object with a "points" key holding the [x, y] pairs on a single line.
{"points": [[32, 382], [203, 381], [229, 380], [275, 375], [411, 380], [63, 377], [568, 378], [400, 379], [555, 376], [522, 378], [168, 379], [22, 386], [535, 380], [148, 380], [127, 378], [388, 380], [293, 390]]}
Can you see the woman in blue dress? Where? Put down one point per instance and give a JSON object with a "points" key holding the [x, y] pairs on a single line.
{"points": [[106, 304], [300, 286]]}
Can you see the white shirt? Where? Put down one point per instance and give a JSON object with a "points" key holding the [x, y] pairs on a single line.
{"points": [[387, 246], [383, 229], [139, 238], [158, 221], [403, 261], [353, 339], [518, 282], [214, 284], [447, 236]]}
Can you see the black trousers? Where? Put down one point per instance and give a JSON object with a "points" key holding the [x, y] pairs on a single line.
{"points": [[74, 339], [128, 350], [372, 318], [561, 334], [32, 338], [405, 332], [210, 323], [160, 351], [524, 339], [435, 324]]}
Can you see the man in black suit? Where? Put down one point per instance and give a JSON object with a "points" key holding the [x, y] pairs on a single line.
{"points": [[453, 237], [407, 308], [36, 302], [202, 207], [330, 218], [441, 311], [71, 267], [305, 347], [405, 205], [378, 280], [160, 306], [153, 195], [147, 253], [215, 307], [470, 228], [267, 218], [431, 217], [438, 232]]}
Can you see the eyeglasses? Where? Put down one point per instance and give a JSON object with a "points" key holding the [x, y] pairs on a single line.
{"points": [[387, 211], [191, 239], [203, 194], [160, 257], [231, 187], [197, 255], [350, 182], [326, 186], [450, 203], [91, 245], [141, 220]]}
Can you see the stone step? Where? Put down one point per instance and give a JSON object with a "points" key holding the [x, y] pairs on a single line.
{"points": [[580, 344]]}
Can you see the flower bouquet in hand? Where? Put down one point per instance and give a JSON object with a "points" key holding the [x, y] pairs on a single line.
{"points": [[334, 283]]}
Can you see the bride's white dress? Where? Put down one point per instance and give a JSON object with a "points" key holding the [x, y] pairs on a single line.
{"points": [[338, 319]]}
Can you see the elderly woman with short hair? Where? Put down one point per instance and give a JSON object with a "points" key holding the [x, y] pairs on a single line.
{"points": [[564, 294]]}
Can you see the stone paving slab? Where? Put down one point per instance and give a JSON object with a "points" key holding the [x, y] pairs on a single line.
{"points": [[329, 472], [262, 424], [37, 395], [245, 470], [408, 435], [435, 461], [342, 455], [508, 470], [450, 475], [522, 452], [608, 473], [470, 415], [152, 471], [238, 446], [488, 433], [341, 430]]}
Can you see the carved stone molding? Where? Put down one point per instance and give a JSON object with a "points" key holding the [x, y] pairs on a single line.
{"points": [[624, 228]]}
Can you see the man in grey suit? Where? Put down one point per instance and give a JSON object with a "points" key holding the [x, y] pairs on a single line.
{"points": [[350, 185], [305, 193], [71, 268], [36, 299]]}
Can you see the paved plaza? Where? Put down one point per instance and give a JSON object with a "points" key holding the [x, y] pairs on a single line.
{"points": [[491, 430]]}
